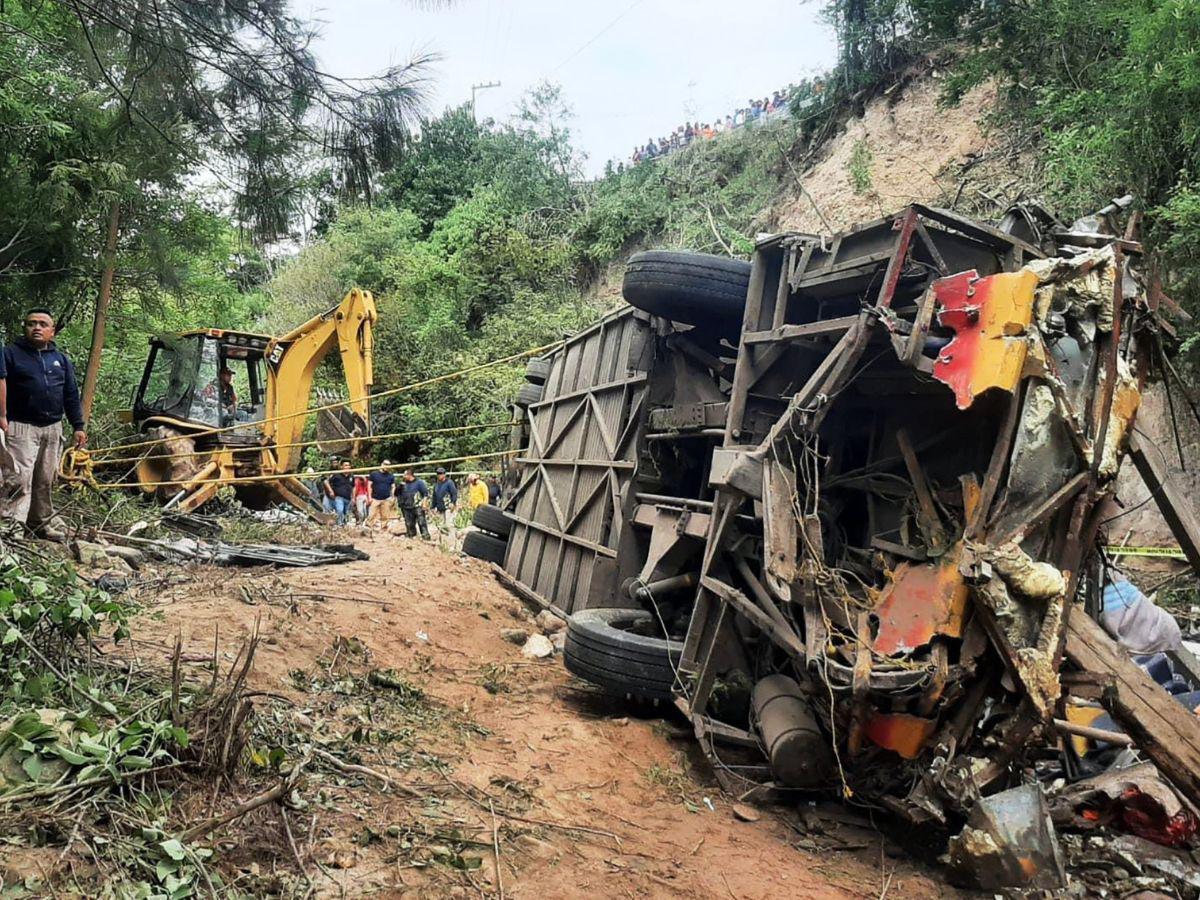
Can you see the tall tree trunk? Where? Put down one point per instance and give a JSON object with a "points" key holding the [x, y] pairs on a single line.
{"points": [[100, 319]]}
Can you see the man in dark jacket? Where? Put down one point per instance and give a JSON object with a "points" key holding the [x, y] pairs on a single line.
{"points": [[445, 504], [340, 489], [39, 389], [411, 493]]}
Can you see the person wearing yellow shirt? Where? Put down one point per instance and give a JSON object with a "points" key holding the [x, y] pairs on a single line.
{"points": [[477, 491]]}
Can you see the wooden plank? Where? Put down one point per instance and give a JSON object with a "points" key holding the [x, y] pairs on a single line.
{"points": [[797, 332], [602, 463], [1048, 507], [1167, 733], [743, 373], [920, 329], [1174, 506], [929, 520], [524, 592], [592, 389], [851, 265], [976, 230]]}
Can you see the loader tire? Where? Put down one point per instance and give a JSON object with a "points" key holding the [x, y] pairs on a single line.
{"points": [[528, 394], [485, 546], [693, 288], [537, 371], [493, 519], [617, 650]]}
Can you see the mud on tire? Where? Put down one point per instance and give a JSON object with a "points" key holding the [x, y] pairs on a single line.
{"points": [[618, 650]]}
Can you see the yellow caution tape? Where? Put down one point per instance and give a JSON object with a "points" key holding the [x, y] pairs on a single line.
{"points": [[1165, 552], [359, 439], [391, 392], [300, 476]]}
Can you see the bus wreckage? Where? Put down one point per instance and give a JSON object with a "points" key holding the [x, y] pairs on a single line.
{"points": [[840, 506]]}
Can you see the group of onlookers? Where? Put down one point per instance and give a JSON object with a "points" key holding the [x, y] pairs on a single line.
{"points": [[371, 499], [753, 113]]}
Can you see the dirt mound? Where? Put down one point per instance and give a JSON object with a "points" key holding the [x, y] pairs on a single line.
{"points": [[906, 147]]}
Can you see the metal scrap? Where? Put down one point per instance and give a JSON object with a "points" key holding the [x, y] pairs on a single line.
{"points": [[899, 518]]}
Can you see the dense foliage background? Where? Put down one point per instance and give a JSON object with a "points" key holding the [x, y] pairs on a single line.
{"points": [[482, 239]]}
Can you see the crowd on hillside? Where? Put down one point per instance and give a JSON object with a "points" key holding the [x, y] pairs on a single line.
{"points": [[754, 113]]}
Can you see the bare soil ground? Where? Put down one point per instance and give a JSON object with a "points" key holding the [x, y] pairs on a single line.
{"points": [[485, 749]]}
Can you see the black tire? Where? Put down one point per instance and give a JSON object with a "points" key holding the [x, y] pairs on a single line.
{"points": [[537, 371], [614, 649], [528, 394], [485, 546], [694, 288], [493, 519]]}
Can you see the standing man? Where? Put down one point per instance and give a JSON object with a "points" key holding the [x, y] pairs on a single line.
{"points": [[445, 502], [39, 389], [494, 490], [477, 492], [411, 493], [383, 485], [340, 489]]}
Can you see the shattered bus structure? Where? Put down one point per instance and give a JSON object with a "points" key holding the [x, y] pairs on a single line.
{"points": [[847, 522]]}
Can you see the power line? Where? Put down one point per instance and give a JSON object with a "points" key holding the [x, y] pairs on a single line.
{"points": [[599, 34]]}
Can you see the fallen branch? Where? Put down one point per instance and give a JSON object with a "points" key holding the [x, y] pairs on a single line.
{"points": [[351, 769], [496, 849], [276, 793]]}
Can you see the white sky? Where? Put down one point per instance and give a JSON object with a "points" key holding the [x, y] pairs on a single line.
{"points": [[630, 69]]}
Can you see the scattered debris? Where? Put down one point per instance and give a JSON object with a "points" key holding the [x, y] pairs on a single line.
{"points": [[538, 646], [1009, 841], [744, 813], [227, 554], [549, 622]]}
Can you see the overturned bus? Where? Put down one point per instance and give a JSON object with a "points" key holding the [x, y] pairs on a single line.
{"points": [[840, 504]]}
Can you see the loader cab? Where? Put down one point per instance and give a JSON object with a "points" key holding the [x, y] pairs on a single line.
{"points": [[182, 382]]}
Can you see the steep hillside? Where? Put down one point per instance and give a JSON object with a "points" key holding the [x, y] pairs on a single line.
{"points": [[905, 147]]}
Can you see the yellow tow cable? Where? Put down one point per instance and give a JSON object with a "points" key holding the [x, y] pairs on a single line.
{"points": [[283, 476], [388, 393], [363, 439]]}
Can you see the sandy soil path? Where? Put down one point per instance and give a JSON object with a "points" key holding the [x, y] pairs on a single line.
{"points": [[519, 737]]}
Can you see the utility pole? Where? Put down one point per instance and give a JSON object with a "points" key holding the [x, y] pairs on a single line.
{"points": [[480, 87]]}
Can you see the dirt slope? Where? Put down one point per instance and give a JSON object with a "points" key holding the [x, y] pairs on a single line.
{"points": [[522, 736], [904, 148]]}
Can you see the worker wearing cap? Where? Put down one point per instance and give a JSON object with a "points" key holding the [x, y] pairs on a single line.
{"points": [[383, 486], [38, 390], [445, 504]]}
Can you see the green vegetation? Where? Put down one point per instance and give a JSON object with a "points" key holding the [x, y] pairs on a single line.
{"points": [[1111, 88], [484, 243], [860, 167]]}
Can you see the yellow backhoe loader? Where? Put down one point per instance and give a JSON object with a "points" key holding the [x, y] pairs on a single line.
{"points": [[228, 407]]}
